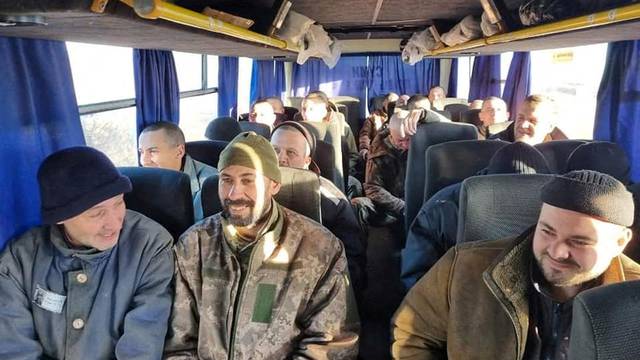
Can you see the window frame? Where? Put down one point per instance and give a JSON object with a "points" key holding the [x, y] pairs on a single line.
{"points": [[125, 103]]}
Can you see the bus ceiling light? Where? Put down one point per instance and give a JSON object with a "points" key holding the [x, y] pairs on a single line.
{"points": [[158, 9], [22, 20]]}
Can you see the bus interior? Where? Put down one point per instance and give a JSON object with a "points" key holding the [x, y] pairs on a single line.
{"points": [[568, 59]]}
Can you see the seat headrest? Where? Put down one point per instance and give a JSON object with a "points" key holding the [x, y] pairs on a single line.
{"points": [[162, 195], [223, 129], [495, 207], [206, 151], [451, 162], [557, 153], [209, 196], [300, 192], [261, 129]]}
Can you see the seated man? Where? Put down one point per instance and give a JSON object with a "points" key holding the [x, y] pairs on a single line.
{"points": [[162, 145], [294, 146], [374, 123], [386, 168], [435, 228], [493, 111], [421, 102], [436, 96], [512, 298], [259, 278], [262, 112], [95, 280], [278, 109], [476, 104], [534, 124]]}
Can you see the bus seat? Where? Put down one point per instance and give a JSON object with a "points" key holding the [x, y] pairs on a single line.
{"points": [[290, 112], [162, 195], [300, 192], [223, 129], [426, 135], [243, 117], [605, 323], [494, 207], [330, 133], [557, 153], [352, 115], [261, 129], [206, 151], [209, 196], [324, 157], [452, 162], [298, 117], [471, 116], [456, 110]]}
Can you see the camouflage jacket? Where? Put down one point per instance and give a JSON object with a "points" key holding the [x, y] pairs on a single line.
{"points": [[384, 179], [295, 301]]}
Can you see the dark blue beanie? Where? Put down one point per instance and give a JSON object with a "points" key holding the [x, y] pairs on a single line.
{"points": [[75, 179]]}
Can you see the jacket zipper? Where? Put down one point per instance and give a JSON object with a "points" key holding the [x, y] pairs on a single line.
{"points": [[237, 305]]}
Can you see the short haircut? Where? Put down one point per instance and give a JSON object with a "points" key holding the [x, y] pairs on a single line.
{"points": [[493, 98], [414, 99], [537, 99], [274, 99], [259, 101], [317, 96], [174, 134], [390, 96], [298, 130], [438, 87]]}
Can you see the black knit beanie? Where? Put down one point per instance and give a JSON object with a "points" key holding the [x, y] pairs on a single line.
{"points": [[591, 193], [75, 179], [223, 129], [517, 158], [602, 156]]}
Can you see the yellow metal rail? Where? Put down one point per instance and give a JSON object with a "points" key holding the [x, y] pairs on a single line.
{"points": [[158, 9], [603, 18]]}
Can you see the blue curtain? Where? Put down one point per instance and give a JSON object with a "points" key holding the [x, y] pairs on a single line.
{"points": [[347, 78], [518, 84], [39, 116], [227, 85], [156, 83], [452, 90], [267, 79], [388, 73], [618, 102], [485, 77]]}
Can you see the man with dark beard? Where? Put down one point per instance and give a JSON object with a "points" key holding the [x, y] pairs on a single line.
{"points": [[512, 298], [259, 281]]}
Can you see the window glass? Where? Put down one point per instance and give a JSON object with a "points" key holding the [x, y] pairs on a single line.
{"points": [[212, 71], [101, 73], [572, 77], [245, 66], [465, 65], [505, 63], [189, 70], [196, 113], [114, 133]]}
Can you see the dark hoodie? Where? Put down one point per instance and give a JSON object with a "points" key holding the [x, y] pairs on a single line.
{"points": [[435, 228]]}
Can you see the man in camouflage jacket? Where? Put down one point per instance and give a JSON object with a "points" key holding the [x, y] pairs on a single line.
{"points": [[259, 281]]}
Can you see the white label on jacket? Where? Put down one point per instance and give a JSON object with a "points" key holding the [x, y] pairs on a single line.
{"points": [[48, 300]]}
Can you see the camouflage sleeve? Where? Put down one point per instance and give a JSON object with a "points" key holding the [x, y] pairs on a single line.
{"points": [[182, 338], [330, 321], [364, 138], [420, 323], [374, 189]]}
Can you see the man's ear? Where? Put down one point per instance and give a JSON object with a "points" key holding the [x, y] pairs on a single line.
{"points": [[181, 151], [624, 239], [275, 187]]}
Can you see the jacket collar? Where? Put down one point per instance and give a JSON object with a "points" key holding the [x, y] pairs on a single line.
{"points": [[190, 168], [59, 240]]}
